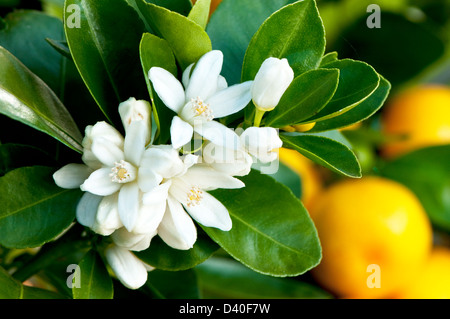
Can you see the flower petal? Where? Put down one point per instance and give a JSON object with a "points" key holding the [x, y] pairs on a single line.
{"points": [[229, 161], [230, 100], [100, 183], [107, 152], [129, 205], [206, 178], [131, 240], [187, 75], [107, 219], [103, 130], [129, 269], [218, 134], [152, 211], [177, 229], [72, 176], [210, 213], [168, 88], [135, 141], [204, 79], [87, 209], [180, 132], [262, 142]]}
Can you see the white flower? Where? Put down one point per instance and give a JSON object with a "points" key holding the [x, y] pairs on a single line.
{"points": [[257, 144], [130, 270], [262, 143], [181, 193], [110, 176], [271, 81], [205, 96]]}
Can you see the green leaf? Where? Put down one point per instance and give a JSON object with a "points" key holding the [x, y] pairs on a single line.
{"points": [[305, 97], [357, 81], [426, 173], [173, 284], [187, 39], [272, 232], [60, 46], [25, 29], [13, 289], [163, 257], [241, 19], [13, 156], [26, 98], [156, 52], [295, 32], [200, 13], [328, 58], [325, 151], [225, 278], [361, 112], [105, 49], [95, 282], [180, 6], [35, 210]]}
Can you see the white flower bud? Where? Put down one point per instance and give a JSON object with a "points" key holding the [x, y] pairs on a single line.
{"points": [[135, 110], [271, 81]]}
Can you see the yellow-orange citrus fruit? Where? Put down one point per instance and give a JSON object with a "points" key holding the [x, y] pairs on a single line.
{"points": [[310, 178], [420, 117], [433, 282], [375, 235]]}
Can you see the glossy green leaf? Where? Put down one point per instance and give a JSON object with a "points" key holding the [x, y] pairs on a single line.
{"points": [[13, 156], [323, 150], [26, 98], [295, 32], [156, 52], [261, 238], [173, 284], [305, 97], [161, 256], [24, 33], [241, 19], [200, 12], [95, 282], [357, 81], [105, 49], [60, 46], [35, 210], [361, 112], [180, 6], [328, 58], [187, 39], [426, 173], [225, 278], [13, 289]]}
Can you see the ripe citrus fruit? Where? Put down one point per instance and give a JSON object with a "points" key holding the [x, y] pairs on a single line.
{"points": [[310, 178], [434, 281], [375, 235], [421, 115]]}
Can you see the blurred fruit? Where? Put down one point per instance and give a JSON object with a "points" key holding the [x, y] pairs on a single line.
{"points": [[351, 127], [311, 183], [304, 127], [421, 115], [366, 222], [434, 281]]}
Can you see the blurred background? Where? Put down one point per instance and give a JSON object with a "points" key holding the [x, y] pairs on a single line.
{"points": [[386, 235]]}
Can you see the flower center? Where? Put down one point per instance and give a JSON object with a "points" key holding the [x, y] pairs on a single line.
{"points": [[202, 108], [194, 196], [123, 172]]}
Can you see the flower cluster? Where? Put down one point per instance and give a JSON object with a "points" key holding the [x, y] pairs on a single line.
{"points": [[135, 190]]}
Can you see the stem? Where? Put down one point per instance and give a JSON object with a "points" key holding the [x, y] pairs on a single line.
{"points": [[258, 117]]}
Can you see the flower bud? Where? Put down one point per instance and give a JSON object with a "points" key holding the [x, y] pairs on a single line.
{"points": [[135, 110], [271, 81]]}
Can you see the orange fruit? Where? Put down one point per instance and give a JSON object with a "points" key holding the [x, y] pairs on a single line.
{"points": [[433, 282], [375, 235], [309, 177], [416, 118]]}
